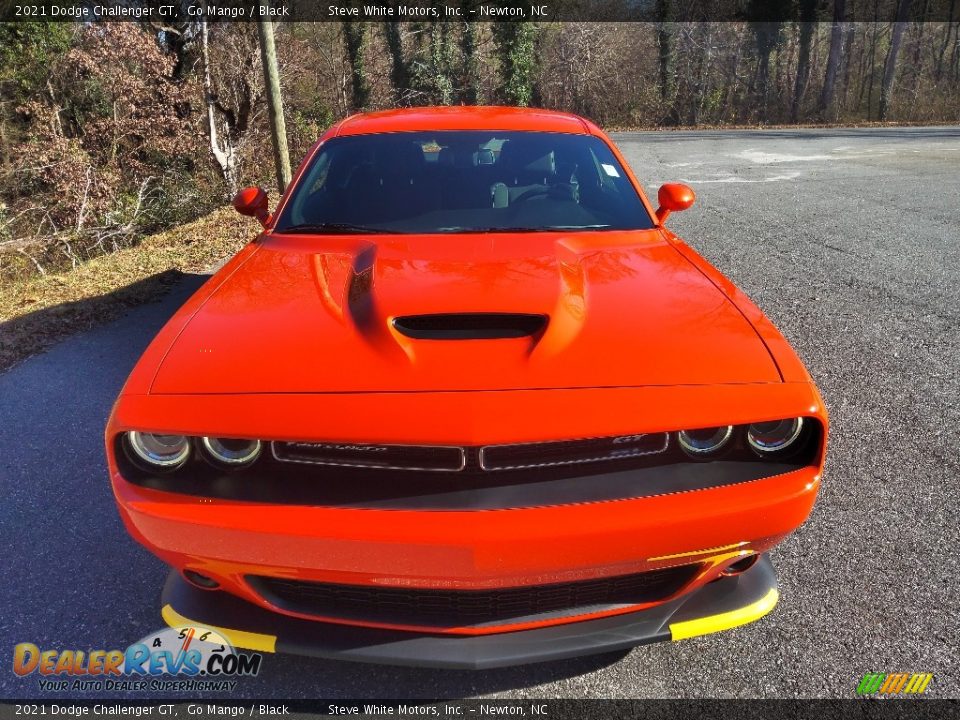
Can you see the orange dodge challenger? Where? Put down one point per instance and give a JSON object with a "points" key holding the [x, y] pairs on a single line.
{"points": [[466, 402]]}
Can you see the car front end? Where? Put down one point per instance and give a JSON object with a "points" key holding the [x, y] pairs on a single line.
{"points": [[420, 441], [443, 539]]}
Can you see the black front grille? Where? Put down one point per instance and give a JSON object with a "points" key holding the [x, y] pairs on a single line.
{"points": [[472, 460], [470, 608], [571, 452], [470, 326], [364, 455]]}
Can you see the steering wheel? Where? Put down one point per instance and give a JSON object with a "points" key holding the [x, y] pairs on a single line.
{"points": [[531, 193]]}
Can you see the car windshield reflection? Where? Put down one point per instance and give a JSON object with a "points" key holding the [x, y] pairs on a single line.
{"points": [[463, 182]]}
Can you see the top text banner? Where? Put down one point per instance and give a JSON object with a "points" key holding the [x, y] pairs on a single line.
{"points": [[178, 11]]}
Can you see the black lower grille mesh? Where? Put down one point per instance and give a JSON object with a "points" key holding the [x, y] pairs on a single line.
{"points": [[451, 608]]}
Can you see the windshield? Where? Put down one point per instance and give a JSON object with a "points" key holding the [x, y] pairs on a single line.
{"points": [[457, 182]]}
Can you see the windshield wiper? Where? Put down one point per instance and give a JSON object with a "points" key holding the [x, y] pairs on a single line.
{"points": [[548, 228], [457, 229], [350, 228], [333, 229]]}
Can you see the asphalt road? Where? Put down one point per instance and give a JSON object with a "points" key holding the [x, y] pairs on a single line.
{"points": [[848, 239]]}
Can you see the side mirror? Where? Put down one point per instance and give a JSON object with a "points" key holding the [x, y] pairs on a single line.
{"points": [[673, 196], [253, 201]]}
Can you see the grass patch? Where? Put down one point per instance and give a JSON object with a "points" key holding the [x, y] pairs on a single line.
{"points": [[39, 311]]}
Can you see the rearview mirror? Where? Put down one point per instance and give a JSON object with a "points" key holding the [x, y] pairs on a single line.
{"points": [[673, 196], [253, 201]]}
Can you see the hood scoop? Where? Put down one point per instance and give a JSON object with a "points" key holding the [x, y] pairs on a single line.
{"points": [[470, 326]]}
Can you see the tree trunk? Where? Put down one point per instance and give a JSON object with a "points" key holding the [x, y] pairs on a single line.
{"points": [[665, 60], [833, 59], [766, 35], [890, 69], [808, 15], [873, 58], [666, 56], [849, 36], [917, 62], [278, 127], [955, 57], [731, 103], [399, 72], [4, 142], [947, 31], [762, 82], [442, 66], [703, 74], [224, 157], [470, 92], [354, 36]]}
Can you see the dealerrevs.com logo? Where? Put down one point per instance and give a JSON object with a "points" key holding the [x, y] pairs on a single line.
{"points": [[188, 658]]}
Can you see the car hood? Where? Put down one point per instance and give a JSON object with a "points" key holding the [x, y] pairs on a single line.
{"points": [[316, 314]]}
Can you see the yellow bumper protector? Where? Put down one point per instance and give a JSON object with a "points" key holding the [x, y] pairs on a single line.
{"points": [[726, 620], [238, 638]]}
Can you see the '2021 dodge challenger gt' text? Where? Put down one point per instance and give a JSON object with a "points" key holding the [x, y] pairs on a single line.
{"points": [[465, 401]]}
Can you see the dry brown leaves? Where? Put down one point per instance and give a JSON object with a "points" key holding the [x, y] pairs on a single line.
{"points": [[36, 313]]}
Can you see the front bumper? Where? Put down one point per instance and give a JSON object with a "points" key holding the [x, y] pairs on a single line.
{"points": [[550, 535], [229, 542], [719, 605]]}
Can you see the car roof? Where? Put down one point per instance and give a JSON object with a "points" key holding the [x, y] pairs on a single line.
{"points": [[463, 118]]}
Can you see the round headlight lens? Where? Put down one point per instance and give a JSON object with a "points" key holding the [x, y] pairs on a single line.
{"points": [[705, 440], [156, 451], [232, 453], [774, 436]]}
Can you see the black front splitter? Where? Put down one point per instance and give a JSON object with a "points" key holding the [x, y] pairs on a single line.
{"points": [[722, 604]]}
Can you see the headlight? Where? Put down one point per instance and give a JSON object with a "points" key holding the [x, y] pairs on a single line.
{"points": [[774, 436], [231, 453], [705, 440], [154, 451]]}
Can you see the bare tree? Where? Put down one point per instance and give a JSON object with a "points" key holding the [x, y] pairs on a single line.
{"points": [[766, 35], [890, 69], [434, 65], [399, 69], [808, 16], [955, 56], [354, 37], [833, 59], [849, 37], [666, 53], [947, 31], [470, 71], [871, 60], [222, 149]]}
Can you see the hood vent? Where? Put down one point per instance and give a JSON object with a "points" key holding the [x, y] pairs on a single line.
{"points": [[470, 326]]}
